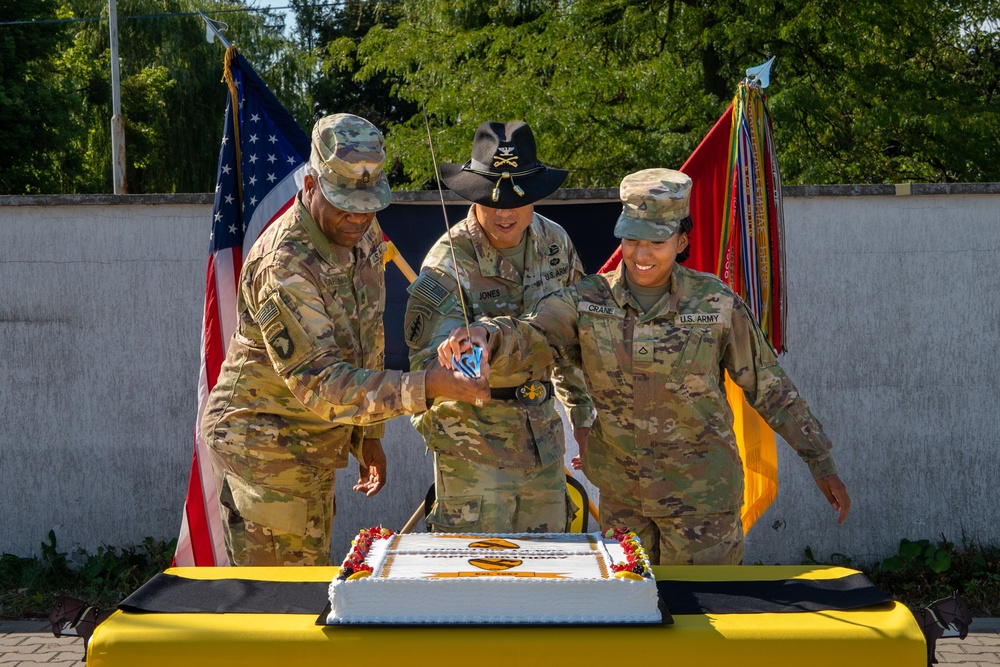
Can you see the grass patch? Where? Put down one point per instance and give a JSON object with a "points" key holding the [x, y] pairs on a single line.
{"points": [[29, 586], [926, 570]]}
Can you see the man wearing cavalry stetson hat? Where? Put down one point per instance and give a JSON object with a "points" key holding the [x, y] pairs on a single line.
{"points": [[302, 384], [653, 339], [498, 468]]}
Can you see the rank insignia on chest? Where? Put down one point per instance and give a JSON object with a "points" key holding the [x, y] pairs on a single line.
{"points": [[642, 352]]}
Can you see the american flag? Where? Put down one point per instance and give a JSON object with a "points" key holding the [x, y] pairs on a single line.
{"points": [[260, 165]]}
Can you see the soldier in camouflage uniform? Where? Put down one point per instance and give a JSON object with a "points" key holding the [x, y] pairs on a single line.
{"points": [[302, 383], [653, 339], [498, 468]]}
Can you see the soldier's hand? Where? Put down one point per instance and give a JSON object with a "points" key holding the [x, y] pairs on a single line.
{"points": [[580, 434], [451, 384], [836, 494], [372, 469], [458, 343]]}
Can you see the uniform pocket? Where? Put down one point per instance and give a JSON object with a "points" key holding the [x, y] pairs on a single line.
{"points": [[694, 357], [266, 506], [600, 338], [728, 551], [456, 513]]}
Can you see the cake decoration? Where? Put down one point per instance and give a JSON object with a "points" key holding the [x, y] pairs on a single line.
{"points": [[636, 561], [354, 563], [494, 578]]}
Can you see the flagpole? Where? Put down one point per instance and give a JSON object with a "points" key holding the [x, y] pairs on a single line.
{"points": [[117, 125], [211, 29]]}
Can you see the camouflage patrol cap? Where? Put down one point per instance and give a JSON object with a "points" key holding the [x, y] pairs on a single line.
{"points": [[348, 153], [654, 203]]}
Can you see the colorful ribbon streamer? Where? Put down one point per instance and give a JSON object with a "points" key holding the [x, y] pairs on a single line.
{"points": [[751, 252]]}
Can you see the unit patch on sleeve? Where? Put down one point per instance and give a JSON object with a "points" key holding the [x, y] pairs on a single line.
{"points": [[285, 338], [417, 327], [279, 340]]}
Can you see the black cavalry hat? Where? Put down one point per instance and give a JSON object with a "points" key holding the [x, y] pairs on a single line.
{"points": [[504, 171]]}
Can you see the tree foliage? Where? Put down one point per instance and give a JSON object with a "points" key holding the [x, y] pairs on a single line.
{"points": [[36, 100], [172, 97], [862, 92]]}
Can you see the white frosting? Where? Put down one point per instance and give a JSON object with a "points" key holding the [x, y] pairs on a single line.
{"points": [[523, 578]]}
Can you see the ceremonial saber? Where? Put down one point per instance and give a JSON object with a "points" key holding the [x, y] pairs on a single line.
{"points": [[467, 363]]}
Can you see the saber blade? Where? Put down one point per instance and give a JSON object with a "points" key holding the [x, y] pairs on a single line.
{"points": [[469, 362]]}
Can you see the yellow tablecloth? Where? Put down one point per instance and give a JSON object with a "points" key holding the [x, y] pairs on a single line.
{"points": [[870, 636]]}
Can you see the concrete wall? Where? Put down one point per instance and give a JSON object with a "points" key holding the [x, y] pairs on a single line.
{"points": [[893, 331]]}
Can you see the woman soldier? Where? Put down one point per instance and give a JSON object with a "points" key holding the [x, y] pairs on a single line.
{"points": [[653, 340]]}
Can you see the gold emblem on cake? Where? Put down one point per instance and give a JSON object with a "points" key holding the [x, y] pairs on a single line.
{"points": [[494, 564], [494, 543]]}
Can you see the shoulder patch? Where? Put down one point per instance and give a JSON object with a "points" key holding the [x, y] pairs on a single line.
{"points": [[287, 343], [436, 289], [266, 314]]}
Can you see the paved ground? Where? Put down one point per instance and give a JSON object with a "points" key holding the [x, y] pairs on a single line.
{"points": [[31, 644]]}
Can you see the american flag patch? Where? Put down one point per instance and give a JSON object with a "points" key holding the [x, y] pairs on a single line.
{"points": [[429, 290], [266, 314]]}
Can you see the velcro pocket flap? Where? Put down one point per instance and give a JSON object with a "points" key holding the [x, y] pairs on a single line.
{"points": [[268, 507]]}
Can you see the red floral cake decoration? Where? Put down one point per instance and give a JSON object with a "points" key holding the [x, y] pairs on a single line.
{"points": [[636, 560], [355, 560]]}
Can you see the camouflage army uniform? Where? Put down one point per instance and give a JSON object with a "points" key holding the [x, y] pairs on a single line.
{"points": [[498, 468], [296, 392], [662, 448]]}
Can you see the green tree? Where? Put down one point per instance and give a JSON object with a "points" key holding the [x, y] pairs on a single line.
{"points": [[36, 104], [172, 96], [589, 77], [862, 91], [877, 92], [327, 35]]}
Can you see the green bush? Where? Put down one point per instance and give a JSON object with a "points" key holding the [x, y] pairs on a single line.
{"points": [[924, 570], [29, 586]]}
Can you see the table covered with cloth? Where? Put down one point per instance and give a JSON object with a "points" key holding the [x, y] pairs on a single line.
{"points": [[722, 615]]}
